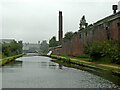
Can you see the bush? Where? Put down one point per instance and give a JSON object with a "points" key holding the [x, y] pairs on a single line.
{"points": [[11, 49], [103, 50]]}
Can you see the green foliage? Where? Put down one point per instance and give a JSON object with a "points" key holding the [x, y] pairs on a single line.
{"points": [[68, 36], [14, 48], [83, 23], [20, 46], [44, 47], [6, 49], [53, 42], [11, 49], [87, 48], [108, 51], [8, 59]]}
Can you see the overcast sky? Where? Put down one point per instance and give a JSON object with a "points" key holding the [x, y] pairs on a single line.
{"points": [[37, 20]]}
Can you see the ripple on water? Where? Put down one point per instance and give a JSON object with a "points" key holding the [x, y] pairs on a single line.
{"points": [[40, 72]]}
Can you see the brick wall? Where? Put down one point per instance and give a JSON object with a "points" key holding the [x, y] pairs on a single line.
{"points": [[105, 29]]}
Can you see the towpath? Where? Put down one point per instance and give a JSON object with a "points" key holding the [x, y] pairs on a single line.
{"points": [[117, 67]]}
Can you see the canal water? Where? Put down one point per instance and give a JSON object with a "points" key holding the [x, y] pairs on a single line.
{"points": [[41, 72]]}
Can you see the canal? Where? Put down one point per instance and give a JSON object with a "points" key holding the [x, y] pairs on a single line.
{"points": [[41, 72]]}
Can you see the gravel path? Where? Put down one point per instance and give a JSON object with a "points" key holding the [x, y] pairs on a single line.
{"points": [[117, 67]]}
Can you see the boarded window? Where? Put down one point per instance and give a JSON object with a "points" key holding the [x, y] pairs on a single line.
{"points": [[86, 34], [106, 28], [80, 36], [92, 31], [118, 25]]}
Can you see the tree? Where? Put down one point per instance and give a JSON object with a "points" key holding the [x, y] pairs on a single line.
{"points": [[68, 36], [10, 49], [20, 46], [6, 51], [83, 23], [53, 42], [44, 47], [14, 48]]}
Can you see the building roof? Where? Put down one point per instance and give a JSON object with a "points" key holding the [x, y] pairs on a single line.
{"points": [[109, 18], [6, 40]]}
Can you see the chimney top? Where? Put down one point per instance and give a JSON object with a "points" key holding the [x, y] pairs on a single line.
{"points": [[60, 12], [114, 7]]}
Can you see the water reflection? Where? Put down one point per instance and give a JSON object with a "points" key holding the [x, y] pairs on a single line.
{"points": [[40, 72], [52, 65], [43, 64], [60, 66], [106, 74], [14, 64]]}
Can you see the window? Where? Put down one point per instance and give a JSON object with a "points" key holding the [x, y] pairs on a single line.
{"points": [[92, 31], [80, 36], [118, 25], [86, 34]]}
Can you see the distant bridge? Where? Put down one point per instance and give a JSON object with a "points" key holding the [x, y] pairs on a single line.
{"points": [[32, 54]]}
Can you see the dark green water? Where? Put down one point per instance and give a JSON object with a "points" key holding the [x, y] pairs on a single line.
{"points": [[40, 72]]}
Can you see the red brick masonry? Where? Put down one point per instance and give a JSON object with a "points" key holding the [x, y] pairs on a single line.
{"points": [[105, 29]]}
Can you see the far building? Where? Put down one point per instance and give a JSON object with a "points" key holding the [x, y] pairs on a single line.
{"points": [[31, 47], [6, 40]]}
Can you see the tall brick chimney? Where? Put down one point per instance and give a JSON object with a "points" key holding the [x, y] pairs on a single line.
{"points": [[60, 28]]}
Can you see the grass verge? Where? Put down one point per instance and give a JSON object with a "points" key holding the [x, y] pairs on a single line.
{"points": [[87, 62], [9, 59]]}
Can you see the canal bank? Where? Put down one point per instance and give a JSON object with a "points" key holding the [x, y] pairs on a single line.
{"points": [[86, 62], [9, 59], [111, 74]]}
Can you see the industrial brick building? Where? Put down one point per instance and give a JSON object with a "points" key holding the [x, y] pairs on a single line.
{"points": [[106, 29]]}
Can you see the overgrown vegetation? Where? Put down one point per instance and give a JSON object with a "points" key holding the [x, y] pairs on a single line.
{"points": [[106, 51], [85, 63], [8, 59], [68, 36], [79, 58], [11, 49], [53, 42]]}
